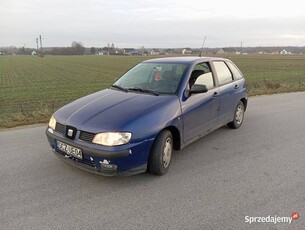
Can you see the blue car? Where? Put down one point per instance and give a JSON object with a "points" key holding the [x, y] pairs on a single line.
{"points": [[158, 106]]}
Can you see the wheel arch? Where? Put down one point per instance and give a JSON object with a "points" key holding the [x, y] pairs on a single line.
{"points": [[245, 102], [176, 136]]}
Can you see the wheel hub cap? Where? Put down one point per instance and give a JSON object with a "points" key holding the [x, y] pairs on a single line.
{"points": [[167, 152], [239, 114]]}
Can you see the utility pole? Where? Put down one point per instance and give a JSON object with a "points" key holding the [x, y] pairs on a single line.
{"points": [[37, 45], [40, 45], [241, 48]]}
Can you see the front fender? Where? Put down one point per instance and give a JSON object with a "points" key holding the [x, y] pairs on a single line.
{"points": [[148, 125]]}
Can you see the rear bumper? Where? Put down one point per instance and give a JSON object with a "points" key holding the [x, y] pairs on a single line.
{"points": [[122, 160]]}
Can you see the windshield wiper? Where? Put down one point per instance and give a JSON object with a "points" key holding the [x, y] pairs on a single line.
{"points": [[143, 90], [119, 87]]}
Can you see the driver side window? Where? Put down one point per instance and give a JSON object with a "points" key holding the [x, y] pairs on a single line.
{"points": [[202, 75]]}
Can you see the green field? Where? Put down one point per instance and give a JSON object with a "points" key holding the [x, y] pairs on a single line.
{"points": [[32, 88]]}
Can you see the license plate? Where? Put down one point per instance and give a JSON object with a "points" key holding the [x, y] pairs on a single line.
{"points": [[70, 150]]}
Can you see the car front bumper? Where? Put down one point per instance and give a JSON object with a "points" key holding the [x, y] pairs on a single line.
{"points": [[124, 160]]}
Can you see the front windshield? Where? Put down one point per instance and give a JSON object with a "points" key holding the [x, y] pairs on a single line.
{"points": [[154, 77]]}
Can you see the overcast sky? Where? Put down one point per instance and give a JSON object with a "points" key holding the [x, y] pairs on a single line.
{"points": [[153, 23]]}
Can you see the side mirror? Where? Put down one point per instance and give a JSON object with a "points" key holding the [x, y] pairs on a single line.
{"points": [[198, 89]]}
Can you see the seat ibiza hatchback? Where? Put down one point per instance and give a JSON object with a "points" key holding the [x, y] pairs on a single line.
{"points": [[157, 106]]}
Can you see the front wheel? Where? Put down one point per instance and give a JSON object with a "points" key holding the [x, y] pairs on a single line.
{"points": [[238, 116], [161, 153]]}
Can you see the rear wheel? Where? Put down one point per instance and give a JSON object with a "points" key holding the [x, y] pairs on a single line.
{"points": [[161, 153], [238, 116]]}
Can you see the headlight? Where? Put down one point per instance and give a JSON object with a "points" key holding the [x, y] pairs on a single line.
{"points": [[112, 138], [52, 123]]}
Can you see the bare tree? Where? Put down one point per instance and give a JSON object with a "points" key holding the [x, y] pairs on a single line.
{"points": [[77, 48]]}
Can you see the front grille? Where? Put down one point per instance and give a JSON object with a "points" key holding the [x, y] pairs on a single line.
{"points": [[59, 127], [85, 136], [84, 161]]}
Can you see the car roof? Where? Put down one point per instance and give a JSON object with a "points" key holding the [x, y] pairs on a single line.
{"points": [[183, 60]]}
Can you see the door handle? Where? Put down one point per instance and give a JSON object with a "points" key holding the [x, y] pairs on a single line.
{"points": [[215, 94], [236, 86]]}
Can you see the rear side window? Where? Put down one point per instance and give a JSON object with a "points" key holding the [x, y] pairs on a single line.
{"points": [[236, 73], [223, 72]]}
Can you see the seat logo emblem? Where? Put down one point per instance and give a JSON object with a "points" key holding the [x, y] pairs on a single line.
{"points": [[70, 132]]}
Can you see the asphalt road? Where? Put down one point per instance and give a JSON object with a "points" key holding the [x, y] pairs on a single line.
{"points": [[257, 170]]}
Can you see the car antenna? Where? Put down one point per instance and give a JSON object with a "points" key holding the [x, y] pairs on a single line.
{"points": [[202, 46]]}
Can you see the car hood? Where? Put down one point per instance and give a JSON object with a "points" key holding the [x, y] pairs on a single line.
{"points": [[114, 110]]}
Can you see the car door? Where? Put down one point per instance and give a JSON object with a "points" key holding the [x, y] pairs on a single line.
{"points": [[200, 111], [227, 91]]}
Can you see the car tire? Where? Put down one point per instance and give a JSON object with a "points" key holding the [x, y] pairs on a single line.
{"points": [[239, 115], [161, 153]]}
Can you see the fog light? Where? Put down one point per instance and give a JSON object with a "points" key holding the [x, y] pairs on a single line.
{"points": [[50, 130], [105, 165]]}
